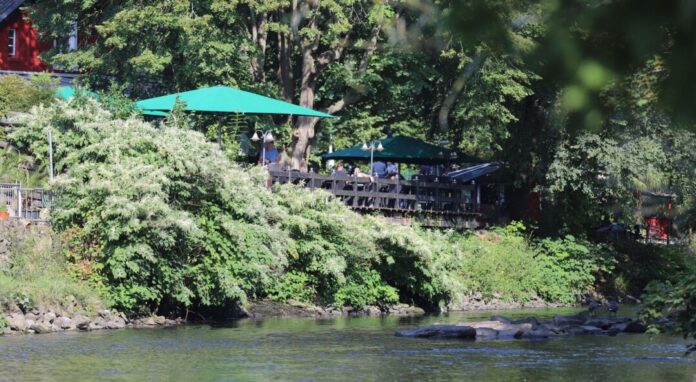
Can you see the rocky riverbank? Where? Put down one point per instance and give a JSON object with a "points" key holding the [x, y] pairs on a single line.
{"points": [[476, 301], [39, 321], [499, 327], [72, 317], [290, 309]]}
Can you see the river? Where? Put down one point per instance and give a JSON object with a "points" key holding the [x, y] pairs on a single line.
{"points": [[358, 349]]}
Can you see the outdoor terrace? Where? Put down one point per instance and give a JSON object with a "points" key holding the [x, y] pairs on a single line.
{"points": [[430, 200]]}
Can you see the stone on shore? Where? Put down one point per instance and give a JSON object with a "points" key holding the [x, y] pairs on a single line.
{"points": [[41, 327], [17, 322], [116, 323], [63, 323], [81, 322]]}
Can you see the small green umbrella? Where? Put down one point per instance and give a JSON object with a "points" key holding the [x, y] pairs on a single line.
{"points": [[67, 92], [402, 149], [224, 99]]}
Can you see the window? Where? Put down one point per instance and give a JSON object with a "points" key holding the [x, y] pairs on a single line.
{"points": [[72, 40], [12, 42]]}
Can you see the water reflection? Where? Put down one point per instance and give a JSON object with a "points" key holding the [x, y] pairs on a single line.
{"points": [[339, 349]]}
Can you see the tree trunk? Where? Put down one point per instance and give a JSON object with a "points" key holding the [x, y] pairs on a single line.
{"points": [[258, 36], [304, 129]]}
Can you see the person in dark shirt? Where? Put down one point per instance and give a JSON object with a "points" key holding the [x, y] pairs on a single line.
{"points": [[379, 169], [340, 170], [426, 170]]}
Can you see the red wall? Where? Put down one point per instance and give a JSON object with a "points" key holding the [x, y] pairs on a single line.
{"points": [[28, 47]]}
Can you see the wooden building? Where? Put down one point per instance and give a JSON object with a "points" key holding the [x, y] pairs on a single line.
{"points": [[20, 45]]}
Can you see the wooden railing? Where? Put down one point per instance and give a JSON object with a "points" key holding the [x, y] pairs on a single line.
{"points": [[433, 194]]}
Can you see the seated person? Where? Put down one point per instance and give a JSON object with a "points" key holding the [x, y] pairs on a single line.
{"points": [[362, 186], [359, 174], [391, 169], [271, 154], [340, 170], [379, 169]]}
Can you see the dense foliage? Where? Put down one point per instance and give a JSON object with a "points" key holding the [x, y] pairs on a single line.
{"points": [[164, 221], [19, 94], [580, 111]]}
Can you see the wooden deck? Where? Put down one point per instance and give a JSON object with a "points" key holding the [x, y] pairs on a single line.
{"points": [[432, 201]]}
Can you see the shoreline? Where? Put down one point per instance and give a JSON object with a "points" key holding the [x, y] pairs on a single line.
{"points": [[53, 320], [39, 321]]}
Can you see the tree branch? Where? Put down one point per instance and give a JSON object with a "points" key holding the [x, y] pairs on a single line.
{"points": [[351, 96], [456, 89]]}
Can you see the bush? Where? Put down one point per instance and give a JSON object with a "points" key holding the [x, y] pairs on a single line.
{"points": [[639, 264], [294, 285], [339, 250], [670, 306], [568, 267], [20, 94], [364, 288]]}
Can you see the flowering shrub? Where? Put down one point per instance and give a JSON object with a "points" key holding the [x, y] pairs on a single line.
{"points": [[166, 221]]}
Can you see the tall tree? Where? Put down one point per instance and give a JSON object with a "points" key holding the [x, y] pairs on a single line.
{"points": [[278, 47]]}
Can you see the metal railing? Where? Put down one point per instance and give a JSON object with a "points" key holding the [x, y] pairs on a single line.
{"points": [[26, 203]]}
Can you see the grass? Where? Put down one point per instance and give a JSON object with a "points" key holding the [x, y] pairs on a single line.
{"points": [[37, 276]]}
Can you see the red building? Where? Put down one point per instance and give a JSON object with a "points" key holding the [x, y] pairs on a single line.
{"points": [[20, 45]]}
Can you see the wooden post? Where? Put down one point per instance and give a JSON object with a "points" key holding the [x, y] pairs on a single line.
{"points": [[355, 191], [397, 205]]}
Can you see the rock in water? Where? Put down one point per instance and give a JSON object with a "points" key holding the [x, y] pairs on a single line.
{"points": [[440, 332], [502, 319], [528, 320], [486, 333], [569, 320], [635, 327]]}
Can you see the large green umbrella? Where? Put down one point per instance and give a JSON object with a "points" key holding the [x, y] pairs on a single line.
{"points": [[224, 99], [402, 149]]}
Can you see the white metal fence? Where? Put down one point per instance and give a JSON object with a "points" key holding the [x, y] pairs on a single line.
{"points": [[26, 203]]}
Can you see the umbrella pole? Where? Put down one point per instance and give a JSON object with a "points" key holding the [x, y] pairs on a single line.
{"points": [[219, 132], [372, 159]]}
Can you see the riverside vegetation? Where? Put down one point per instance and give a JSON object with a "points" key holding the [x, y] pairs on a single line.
{"points": [[160, 221]]}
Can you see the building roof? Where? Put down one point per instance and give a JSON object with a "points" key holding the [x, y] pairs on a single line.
{"points": [[8, 6]]}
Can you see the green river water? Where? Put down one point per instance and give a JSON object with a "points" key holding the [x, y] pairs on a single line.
{"points": [[358, 349]]}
